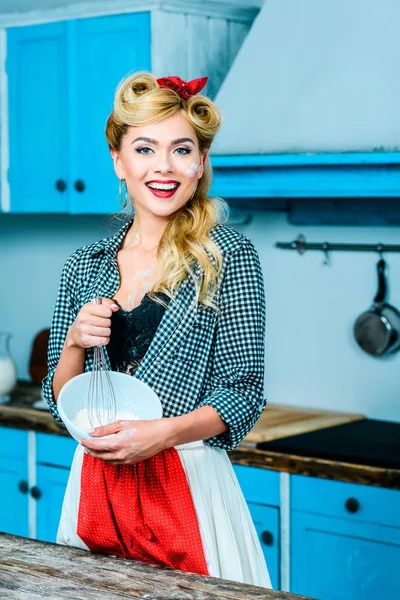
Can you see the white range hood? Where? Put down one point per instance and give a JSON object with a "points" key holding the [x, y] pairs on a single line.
{"points": [[315, 76]]}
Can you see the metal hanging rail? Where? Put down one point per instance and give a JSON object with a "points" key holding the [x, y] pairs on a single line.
{"points": [[301, 245]]}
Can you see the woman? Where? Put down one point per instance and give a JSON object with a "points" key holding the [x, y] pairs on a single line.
{"points": [[183, 309]]}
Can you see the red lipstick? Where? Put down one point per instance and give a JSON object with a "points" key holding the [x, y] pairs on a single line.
{"points": [[163, 193]]}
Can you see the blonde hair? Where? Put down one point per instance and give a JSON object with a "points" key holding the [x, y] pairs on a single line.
{"points": [[139, 100]]}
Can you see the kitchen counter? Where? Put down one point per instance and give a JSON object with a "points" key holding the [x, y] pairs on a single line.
{"points": [[32, 569], [276, 423], [20, 414]]}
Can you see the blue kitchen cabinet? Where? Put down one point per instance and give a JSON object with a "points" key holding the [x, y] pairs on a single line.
{"points": [[260, 488], [50, 460], [37, 68], [61, 80], [106, 49], [14, 481], [345, 540], [51, 485], [54, 455], [266, 521]]}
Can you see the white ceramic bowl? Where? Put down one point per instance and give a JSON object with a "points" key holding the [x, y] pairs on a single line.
{"points": [[131, 394]]}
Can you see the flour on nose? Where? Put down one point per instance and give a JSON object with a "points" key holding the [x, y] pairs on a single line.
{"points": [[162, 167]]}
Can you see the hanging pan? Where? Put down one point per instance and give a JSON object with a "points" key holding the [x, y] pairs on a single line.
{"points": [[377, 330]]}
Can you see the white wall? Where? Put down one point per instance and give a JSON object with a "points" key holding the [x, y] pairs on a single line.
{"points": [[33, 249], [312, 359], [315, 76]]}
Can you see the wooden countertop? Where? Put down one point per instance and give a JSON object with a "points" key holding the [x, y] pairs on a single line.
{"points": [[279, 421], [275, 422], [32, 569]]}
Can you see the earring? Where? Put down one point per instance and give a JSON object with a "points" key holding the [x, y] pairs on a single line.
{"points": [[124, 203]]}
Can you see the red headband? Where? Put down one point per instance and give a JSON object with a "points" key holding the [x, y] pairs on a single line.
{"points": [[185, 89]]}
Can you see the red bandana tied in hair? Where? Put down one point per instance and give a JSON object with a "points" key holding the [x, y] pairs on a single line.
{"points": [[185, 89]]}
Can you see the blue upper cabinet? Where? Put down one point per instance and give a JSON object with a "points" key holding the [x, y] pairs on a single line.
{"points": [[38, 117], [61, 79], [105, 50], [331, 175]]}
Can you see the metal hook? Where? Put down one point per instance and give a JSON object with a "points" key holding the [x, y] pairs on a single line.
{"points": [[327, 258], [379, 249], [300, 244]]}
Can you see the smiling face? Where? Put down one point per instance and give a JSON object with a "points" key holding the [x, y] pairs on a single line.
{"points": [[161, 164]]}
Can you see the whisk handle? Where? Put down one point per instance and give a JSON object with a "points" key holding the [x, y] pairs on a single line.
{"points": [[96, 299]]}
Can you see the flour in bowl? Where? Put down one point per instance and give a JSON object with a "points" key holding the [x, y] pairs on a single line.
{"points": [[82, 421]]}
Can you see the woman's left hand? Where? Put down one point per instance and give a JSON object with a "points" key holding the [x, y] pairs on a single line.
{"points": [[127, 442]]}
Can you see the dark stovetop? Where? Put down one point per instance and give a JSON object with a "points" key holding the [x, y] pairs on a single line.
{"points": [[366, 442]]}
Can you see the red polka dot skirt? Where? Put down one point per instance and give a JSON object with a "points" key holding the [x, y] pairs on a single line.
{"points": [[143, 512]]}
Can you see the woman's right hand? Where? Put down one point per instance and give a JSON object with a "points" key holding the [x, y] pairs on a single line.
{"points": [[92, 326]]}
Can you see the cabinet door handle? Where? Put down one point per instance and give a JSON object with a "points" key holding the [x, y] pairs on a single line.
{"points": [[23, 486], [61, 185], [267, 538], [79, 185], [35, 492], [352, 505]]}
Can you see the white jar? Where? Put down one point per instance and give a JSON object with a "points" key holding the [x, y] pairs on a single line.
{"points": [[8, 371]]}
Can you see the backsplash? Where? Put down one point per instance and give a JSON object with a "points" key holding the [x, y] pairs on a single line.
{"points": [[311, 357]]}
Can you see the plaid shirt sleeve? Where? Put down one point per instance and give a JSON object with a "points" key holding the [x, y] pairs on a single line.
{"points": [[236, 386], [63, 317]]}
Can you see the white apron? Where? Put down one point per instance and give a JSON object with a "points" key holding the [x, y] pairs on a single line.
{"points": [[230, 543]]}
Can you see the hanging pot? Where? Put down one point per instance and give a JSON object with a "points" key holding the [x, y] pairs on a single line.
{"points": [[377, 330]]}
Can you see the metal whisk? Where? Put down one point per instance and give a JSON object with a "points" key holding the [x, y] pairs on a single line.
{"points": [[102, 406]]}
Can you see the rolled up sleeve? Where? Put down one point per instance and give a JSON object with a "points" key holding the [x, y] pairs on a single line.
{"points": [[236, 385], [63, 317]]}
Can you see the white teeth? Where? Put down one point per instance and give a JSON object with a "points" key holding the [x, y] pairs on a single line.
{"points": [[163, 186]]}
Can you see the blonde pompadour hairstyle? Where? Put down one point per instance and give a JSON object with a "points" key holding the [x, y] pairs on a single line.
{"points": [[139, 101]]}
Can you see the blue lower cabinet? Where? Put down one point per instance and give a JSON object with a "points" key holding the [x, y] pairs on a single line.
{"points": [[54, 455], [14, 481], [266, 521], [14, 497], [335, 559], [258, 485], [345, 540], [260, 488], [55, 450], [50, 484]]}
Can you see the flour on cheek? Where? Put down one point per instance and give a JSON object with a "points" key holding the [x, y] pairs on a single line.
{"points": [[193, 169]]}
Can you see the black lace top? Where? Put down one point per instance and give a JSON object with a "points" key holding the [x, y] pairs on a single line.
{"points": [[132, 332]]}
